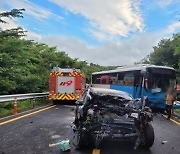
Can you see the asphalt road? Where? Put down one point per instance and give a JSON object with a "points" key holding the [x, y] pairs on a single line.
{"points": [[34, 133]]}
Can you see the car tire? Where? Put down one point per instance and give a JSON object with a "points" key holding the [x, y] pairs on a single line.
{"points": [[82, 139], [148, 136]]}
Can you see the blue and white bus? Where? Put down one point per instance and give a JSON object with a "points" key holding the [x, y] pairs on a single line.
{"points": [[139, 80]]}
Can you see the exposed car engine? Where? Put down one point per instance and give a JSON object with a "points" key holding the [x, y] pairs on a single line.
{"points": [[114, 117]]}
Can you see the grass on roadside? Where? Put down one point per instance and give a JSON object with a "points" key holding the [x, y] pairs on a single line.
{"points": [[5, 108], [23, 105], [177, 110]]}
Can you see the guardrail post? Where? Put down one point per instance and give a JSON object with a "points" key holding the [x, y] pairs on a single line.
{"points": [[15, 108], [33, 102]]}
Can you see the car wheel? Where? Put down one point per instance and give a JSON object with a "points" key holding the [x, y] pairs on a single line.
{"points": [[147, 136], [82, 139]]}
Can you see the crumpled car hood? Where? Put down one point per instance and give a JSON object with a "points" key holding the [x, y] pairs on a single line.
{"points": [[122, 100]]}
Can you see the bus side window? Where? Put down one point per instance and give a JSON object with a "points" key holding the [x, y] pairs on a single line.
{"points": [[104, 79], [120, 79], [95, 79], [113, 78], [137, 79], [129, 79]]}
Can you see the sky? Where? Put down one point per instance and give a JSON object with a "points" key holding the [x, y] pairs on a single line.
{"points": [[105, 32]]}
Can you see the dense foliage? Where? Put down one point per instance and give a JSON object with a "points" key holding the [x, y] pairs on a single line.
{"points": [[25, 64], [166, 53]]}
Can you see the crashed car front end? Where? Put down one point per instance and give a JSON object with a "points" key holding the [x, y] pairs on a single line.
{"points": [[111, 116]]}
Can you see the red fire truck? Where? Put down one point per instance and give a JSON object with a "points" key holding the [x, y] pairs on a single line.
{"points": [[66, 84]]}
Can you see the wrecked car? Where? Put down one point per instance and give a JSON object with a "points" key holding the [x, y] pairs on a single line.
{"points": [[104, 114]]}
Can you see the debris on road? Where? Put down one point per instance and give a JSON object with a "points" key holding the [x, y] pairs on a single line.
{"points": [[54, 144], [64, 145], [163, 142]]}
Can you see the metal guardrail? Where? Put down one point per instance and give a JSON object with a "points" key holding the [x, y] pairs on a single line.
{"points": [[6, 98]]}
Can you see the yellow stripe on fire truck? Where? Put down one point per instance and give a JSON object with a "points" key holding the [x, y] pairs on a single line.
{"points": [[56, 73], [75, 74], [64, 96], [68, 97], [52, 96]]}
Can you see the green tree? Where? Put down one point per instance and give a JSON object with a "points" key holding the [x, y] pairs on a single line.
{"points": [[11, 14], [15, 13], [25, 64]]}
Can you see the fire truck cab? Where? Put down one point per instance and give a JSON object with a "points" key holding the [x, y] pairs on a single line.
{"points": [[66, 84]]}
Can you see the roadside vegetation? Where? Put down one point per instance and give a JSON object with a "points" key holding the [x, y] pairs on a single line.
{"points": [[25, 64], [178, 111], [23, 105]]}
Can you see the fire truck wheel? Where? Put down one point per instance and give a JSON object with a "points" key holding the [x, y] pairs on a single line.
{"points": [[55, 102]]}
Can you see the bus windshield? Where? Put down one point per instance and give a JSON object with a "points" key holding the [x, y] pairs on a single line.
{"points": [[162, 80]]}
